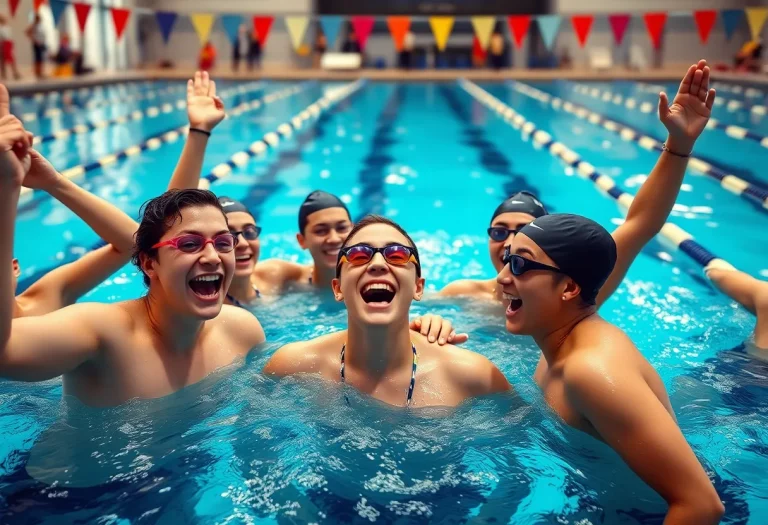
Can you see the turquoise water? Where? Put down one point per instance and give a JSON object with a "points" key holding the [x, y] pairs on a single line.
{"points": [[239, 448]]}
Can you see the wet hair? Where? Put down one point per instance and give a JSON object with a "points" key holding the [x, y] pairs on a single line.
{"points": [[368, 220], [160, 213]]}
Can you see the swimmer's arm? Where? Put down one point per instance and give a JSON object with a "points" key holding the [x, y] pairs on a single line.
{"points": [[741, 287], [47, 346], [631, 420], [244, 326], [292, 359], [205, 110], [277, 273], [478, 376]]}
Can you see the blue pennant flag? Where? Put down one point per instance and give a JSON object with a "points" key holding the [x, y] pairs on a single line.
{"points": [[549, 25], [731, 20], [331, 26], [57, 9], [232, 25], [165, 20]]}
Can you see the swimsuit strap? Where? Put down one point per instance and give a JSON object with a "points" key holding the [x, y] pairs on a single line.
{"points": [[237, 303], [411, 386]]}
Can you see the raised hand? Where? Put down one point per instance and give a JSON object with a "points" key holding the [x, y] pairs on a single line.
{"points": [[41, 175], [15, 142], [204, 109], [689, 113]]}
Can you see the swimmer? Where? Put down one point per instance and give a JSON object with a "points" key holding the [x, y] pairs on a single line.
{"points": [[589, 372], [64, 285], [377, 276], [750, 293], [685, 119]]}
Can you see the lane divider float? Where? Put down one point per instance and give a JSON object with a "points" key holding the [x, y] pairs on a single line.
{"points": [[739, 89], [133, 85], [672, 233], [284, 131], [731, 104], [731, 183]]}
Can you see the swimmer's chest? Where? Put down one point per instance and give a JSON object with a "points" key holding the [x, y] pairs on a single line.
{"points": [[553, 390]]}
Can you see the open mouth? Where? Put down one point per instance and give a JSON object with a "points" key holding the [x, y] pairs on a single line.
{"points": [[378, 294], [243, 260], [332, 252], [515, 303], [206, 287]]}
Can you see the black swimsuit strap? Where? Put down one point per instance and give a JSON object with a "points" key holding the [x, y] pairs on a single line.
{"points": [[411, 386]]}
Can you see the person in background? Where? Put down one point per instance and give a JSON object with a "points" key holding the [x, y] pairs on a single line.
{"points": [[479, 55], [7, 56], [240, 47], [496, 50], [749, 58], [63, 58], [207, 56], [565, 61], [406, 55], [36, 34], [321, 46], [351, 45], [254, 52]]}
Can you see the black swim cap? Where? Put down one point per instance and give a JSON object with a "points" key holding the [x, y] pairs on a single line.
{"points": [[521, 202], [580, 247], [230, 205], [316, 201]]}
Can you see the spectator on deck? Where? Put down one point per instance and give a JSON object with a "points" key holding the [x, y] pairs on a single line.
{"points": [[63, 58], [36, 34], [321, 46], [749, 58], [240, 47], [497, 50], [254, 52], [406, 55], [352, 45], [7, 57]]}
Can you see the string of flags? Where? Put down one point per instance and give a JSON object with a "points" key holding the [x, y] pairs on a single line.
{"points": [[442, 26]]}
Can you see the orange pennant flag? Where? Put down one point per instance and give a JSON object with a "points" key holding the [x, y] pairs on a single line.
{"points": [[398, 27]]}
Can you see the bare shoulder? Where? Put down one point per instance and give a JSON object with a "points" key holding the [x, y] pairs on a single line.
{"points": [[306, 357], [467, 288], [241, 325], [273, 268]]}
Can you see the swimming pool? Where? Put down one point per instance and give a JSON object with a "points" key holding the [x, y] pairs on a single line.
{"points": [[238, 448]]}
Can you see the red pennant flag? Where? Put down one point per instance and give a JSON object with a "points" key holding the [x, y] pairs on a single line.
{"points": [[262, 25], [120, 18], [37, 4], [362, 26], [619, 24], [655, 22], [477, 50], [82, 11], [705, 21], [519, 26], [582, 25], [399, 26], [14, 5]]}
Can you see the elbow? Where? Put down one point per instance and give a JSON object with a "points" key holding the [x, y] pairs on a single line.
{"points": [[700, 509]]}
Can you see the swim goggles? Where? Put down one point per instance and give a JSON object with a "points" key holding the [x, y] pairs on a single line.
{"points": [[500, 233], [394, 254], [194, 243], [519, 265], [249, 233]]}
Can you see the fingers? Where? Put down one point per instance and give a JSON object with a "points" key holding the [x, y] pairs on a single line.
{"points": [[457, 339], [704, 89], [426, 321], [696, 82], [711, 98], [439, 329], [685, 85], [416, 324], [190, 88], [5, 101], [663, 105], [212, 89], [198, 83], [219, 103], [206, 83]]}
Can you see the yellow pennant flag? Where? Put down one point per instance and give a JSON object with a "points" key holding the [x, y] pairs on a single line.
{"points": [[203, 22], [483, 26], [756, 16], [297, 27], [441, 28]]}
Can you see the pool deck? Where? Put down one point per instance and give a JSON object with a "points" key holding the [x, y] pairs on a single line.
{"points": [[669, 73]]}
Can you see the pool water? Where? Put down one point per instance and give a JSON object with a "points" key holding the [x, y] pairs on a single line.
{"points": [[241, 448]]}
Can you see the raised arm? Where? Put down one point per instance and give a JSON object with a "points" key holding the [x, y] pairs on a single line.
{"points": [[631, 420], [749, 292], [205, 110], [685, 119]]}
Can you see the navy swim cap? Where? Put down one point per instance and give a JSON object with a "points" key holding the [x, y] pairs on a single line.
{"points": [[521, 202], [580, 247], [230, 205], [316, 201]]}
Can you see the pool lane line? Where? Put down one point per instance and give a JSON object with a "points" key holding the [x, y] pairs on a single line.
{"points": [[671, 232], [731, 104], [735, 132], [272, 139], [747, 190], [85, 90], [739, 89], [75, 173], [150, 112]]}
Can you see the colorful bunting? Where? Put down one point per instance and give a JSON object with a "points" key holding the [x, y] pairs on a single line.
{"points": [[731, 20], [331, 25], [582, 25], [549, 25], [655, 22], [756, 17], [477, 48], [297, 27], [398, 27], [483, 26], [36, 5], [519, 26], [14, 5], [82, 11], [362, 26], [705, 21], [57, 9], [262, 25], [165, 20], [120, 18], [441, 28], [619, 24], [232, 25], [202, 22]]}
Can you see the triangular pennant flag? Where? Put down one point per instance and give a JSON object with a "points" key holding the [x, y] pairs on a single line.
{"points": [[477, 48], [331, 25], [120, 18], [398, 27], [483, 26], [705, 21], [232, 25], [362, 26], [582, 24], [655, 22], [165, 20], [202, 22], [36, 4], [619, 24], [262, 25], [14, 5], [441, 28], [57, 9], [731, 20], [549, 25], [297, 27], [756, 17], [519, 26], [82, 11]]}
